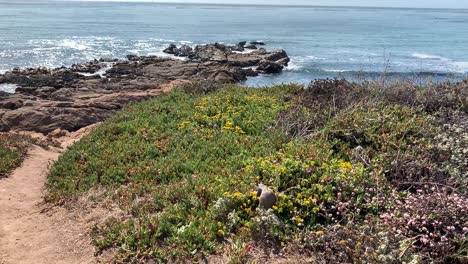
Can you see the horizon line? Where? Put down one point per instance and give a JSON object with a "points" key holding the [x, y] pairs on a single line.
{"points": [[235, 4]]}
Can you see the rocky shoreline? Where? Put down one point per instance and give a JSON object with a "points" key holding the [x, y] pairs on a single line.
{"points": [[69, 98]]}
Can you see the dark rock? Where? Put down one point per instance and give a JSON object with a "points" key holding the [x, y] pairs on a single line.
{"points": [[172, 49], [269, 67], [11, 103], [237, 48], [132, 57], [243, 60], [242, 43], [184, 51], [257, 43], [216, 52], [251, 46], [63, 98], [276, 55], [283, 62]]}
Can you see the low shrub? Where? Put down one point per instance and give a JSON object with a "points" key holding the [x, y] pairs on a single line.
{"points": [[13, 148], [355, 169]]}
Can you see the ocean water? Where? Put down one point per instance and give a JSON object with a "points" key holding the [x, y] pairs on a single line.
{"points": [[323, 42]]}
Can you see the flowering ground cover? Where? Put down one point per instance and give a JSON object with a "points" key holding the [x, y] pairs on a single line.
{"points": [[361, 174]]}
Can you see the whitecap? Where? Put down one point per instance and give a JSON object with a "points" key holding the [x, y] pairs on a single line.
{"points": [[427, 56], [163, 40], [293, 67], [460, 66], [73, 44], [334, 70], [8, 87], [315, 58]]}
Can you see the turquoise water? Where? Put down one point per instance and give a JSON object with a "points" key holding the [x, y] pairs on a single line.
{"points": [[322, 41]]}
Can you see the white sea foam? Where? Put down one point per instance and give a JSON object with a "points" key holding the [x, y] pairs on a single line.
{"points": [[460, 66], [163, 40], [334, 70], [298, 63], [293, 67], [314, 58], [427, 56], [247, 51], [8, 87], [73, 44], [101, 72]]}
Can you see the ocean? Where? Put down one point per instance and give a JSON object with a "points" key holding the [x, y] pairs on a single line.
{"points": [[323, 42]]}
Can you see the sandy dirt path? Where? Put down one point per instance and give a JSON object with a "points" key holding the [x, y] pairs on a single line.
{"points": [[32, 231]]}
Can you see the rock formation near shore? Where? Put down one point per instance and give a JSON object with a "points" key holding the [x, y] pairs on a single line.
{"points": [[83, 94]]}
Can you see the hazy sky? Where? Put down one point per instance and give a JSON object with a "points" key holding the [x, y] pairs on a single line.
{"points": [[386, 3]]}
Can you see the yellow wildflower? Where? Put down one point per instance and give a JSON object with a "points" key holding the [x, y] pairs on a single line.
{"points": [[346, 165], [298, 219]]}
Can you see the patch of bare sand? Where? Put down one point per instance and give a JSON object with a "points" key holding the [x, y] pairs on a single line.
{"points": [[32, 231]]}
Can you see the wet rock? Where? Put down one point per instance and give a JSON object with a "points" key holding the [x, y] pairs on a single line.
{"points": [[261, 43], [132, 57], [269, 67], [283, 62], [239, 46], [64, 98], [214, 52], [11, 103], [184, 51], [251, 46], [172, 49], [276, 55], [243, 60]]}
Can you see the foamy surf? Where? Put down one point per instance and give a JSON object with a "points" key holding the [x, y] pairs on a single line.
{"points": [[428, 56], [73, 44], [8, 87]]}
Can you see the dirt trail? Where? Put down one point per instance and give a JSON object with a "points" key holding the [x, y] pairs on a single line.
{"points": [[34, 232]]}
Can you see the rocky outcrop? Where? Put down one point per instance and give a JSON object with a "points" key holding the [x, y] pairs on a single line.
{"points": [[183, 51], [83, 94], [268, 67], [261, 43], [251, 46]]}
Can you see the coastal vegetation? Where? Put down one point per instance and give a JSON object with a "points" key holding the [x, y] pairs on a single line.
{"points": [[365, 173], [13, 149]]}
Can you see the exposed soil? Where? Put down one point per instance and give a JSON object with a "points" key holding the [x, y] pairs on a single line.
{"points": [[32, 231]]}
